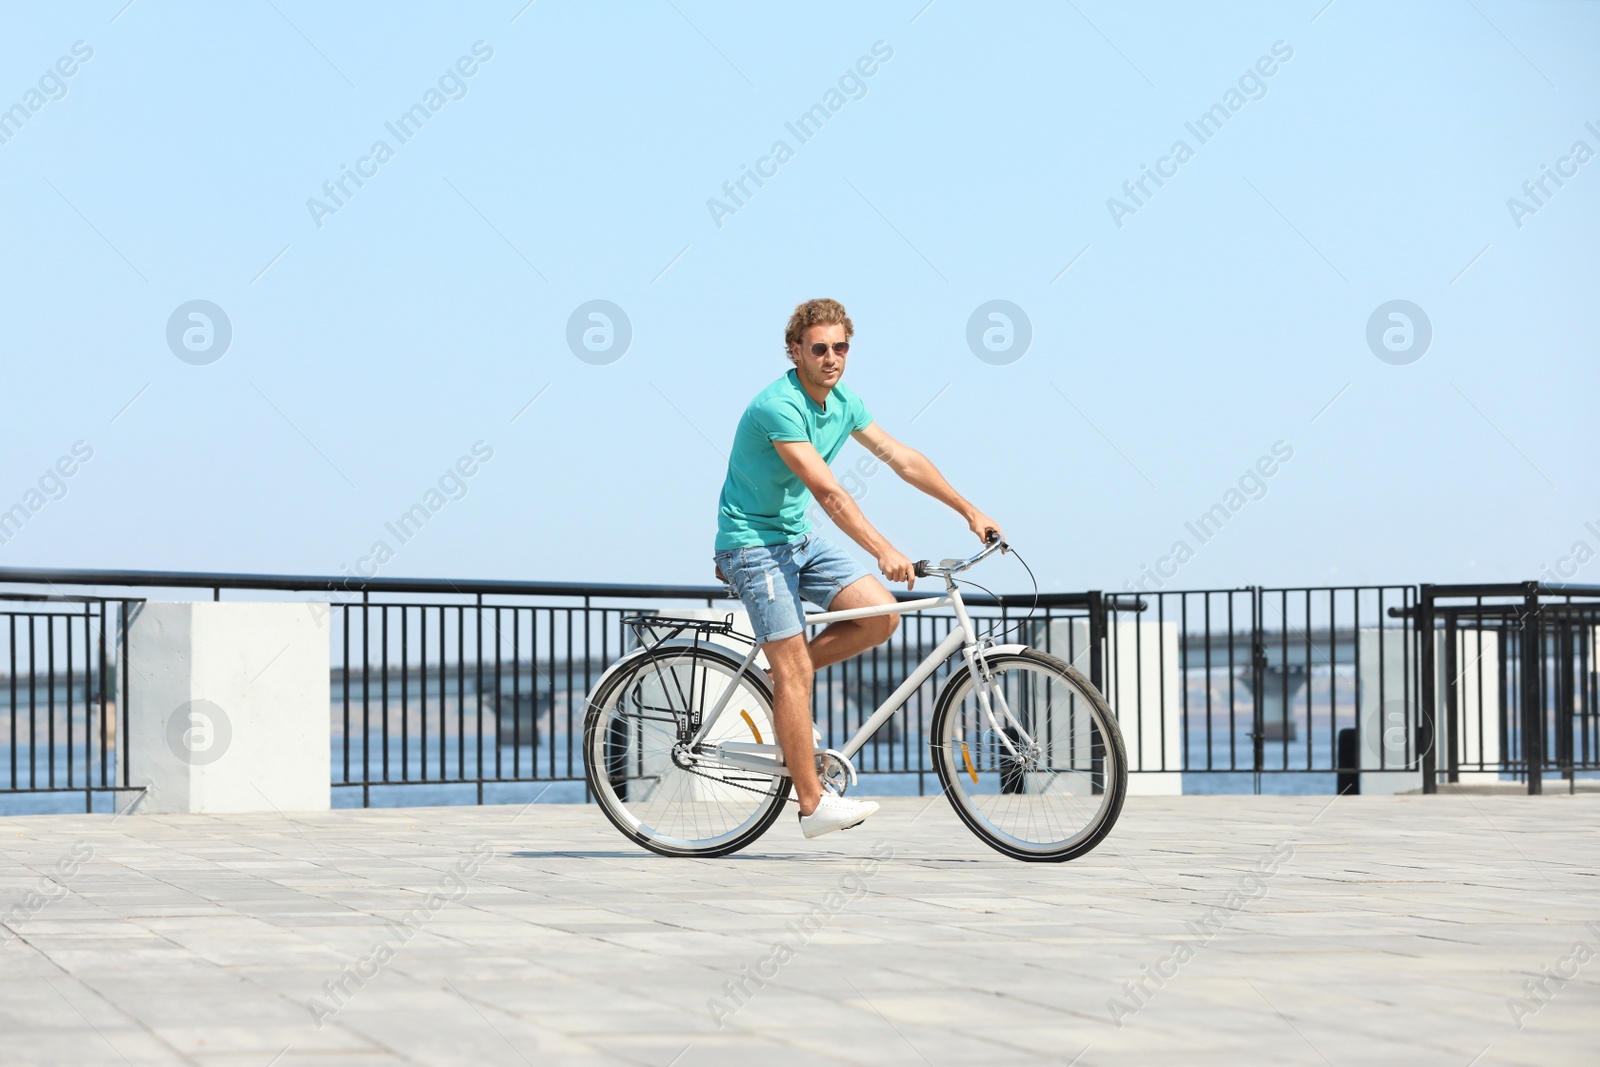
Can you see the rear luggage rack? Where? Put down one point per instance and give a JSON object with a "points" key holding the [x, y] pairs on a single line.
{"points": [[653, 630]]}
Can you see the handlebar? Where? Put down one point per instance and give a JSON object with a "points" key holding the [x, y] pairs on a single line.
{"points": [[924, 568]]}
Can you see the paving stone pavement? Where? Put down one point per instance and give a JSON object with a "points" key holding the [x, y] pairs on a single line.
{"points": [[1228, 930]]}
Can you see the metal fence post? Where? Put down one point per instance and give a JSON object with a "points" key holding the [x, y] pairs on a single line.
{"points": [[1532, 704], [1258, 689], [1428, 687], [1562, 688], [1097, 639], [1452, 699]]}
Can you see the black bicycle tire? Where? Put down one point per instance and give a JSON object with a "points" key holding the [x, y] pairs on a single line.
{"points": [[592, 776], [1117, 786]]}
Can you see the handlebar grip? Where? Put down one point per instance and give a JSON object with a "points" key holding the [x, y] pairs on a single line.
{"points": [[991, 536], [920, 568]]}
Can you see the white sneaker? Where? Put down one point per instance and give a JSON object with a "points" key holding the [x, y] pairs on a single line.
{"points": [[836, 813]]}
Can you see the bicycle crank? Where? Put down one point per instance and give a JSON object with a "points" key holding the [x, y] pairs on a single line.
{"points": [[836, 771]]}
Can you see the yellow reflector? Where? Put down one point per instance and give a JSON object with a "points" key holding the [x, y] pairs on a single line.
{"points": [[748, 721], [966, 757]]}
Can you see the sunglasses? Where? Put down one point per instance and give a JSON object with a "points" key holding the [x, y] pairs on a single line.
{"points": [[820, 348]]}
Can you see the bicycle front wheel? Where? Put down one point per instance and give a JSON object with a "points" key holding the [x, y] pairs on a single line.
{"points": [[1040, 774], [643, 776]]}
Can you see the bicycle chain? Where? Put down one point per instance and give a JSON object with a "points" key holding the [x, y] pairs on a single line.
{"points": [[736, 785]]}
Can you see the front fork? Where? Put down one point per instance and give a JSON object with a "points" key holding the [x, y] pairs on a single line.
{"points": [[990, 694]]}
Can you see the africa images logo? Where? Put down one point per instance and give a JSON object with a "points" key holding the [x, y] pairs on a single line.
{"points": [[1399, 332], [199, 332], [599, 332], [999, 332], [199, 733]]}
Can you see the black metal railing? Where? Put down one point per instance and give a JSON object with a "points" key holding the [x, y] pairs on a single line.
{"points": [[63, 701], [475, 684], [1265, 680], [491, 689]]}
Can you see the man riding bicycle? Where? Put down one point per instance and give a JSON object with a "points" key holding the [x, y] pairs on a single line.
{"points": [[766, 551]]}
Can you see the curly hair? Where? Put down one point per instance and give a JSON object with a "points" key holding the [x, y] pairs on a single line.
{"points": [[819, 312]]}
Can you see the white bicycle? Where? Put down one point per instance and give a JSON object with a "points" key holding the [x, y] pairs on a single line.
{"points": [[1026, 749]]}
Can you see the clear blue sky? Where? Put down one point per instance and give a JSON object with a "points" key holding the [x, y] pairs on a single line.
{"points": [[373, 345]]}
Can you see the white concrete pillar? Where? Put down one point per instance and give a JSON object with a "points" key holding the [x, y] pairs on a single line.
{"points": [[1389, 762], [1477, 668], [229, 706]]}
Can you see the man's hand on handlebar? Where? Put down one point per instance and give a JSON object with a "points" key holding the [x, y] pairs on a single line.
{"points": [[986, 528], [896, 568]]}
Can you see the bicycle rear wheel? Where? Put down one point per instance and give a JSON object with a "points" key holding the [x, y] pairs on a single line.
{"points": [[642, 775], [1052, 787]]}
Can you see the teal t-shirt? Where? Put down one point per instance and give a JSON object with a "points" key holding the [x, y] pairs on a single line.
{"points": [[763, 501]]}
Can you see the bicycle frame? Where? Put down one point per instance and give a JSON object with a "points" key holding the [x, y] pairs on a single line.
{"points": [[963, 636]]}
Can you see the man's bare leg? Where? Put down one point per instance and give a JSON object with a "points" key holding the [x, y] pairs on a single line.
{"points": [[791, 670], [793, 662], [841, 640]]}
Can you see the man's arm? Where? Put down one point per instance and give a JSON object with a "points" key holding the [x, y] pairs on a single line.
{"points": [[803, 458], [915, 469]]}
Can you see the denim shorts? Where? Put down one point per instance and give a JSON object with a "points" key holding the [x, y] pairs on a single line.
{"points": [[771, 579]]}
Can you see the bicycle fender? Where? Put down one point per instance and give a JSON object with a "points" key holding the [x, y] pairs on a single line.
{"points": [[1002, 650]]}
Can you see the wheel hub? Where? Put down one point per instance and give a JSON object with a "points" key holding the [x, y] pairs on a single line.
{"points": [[1028, 757]]}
